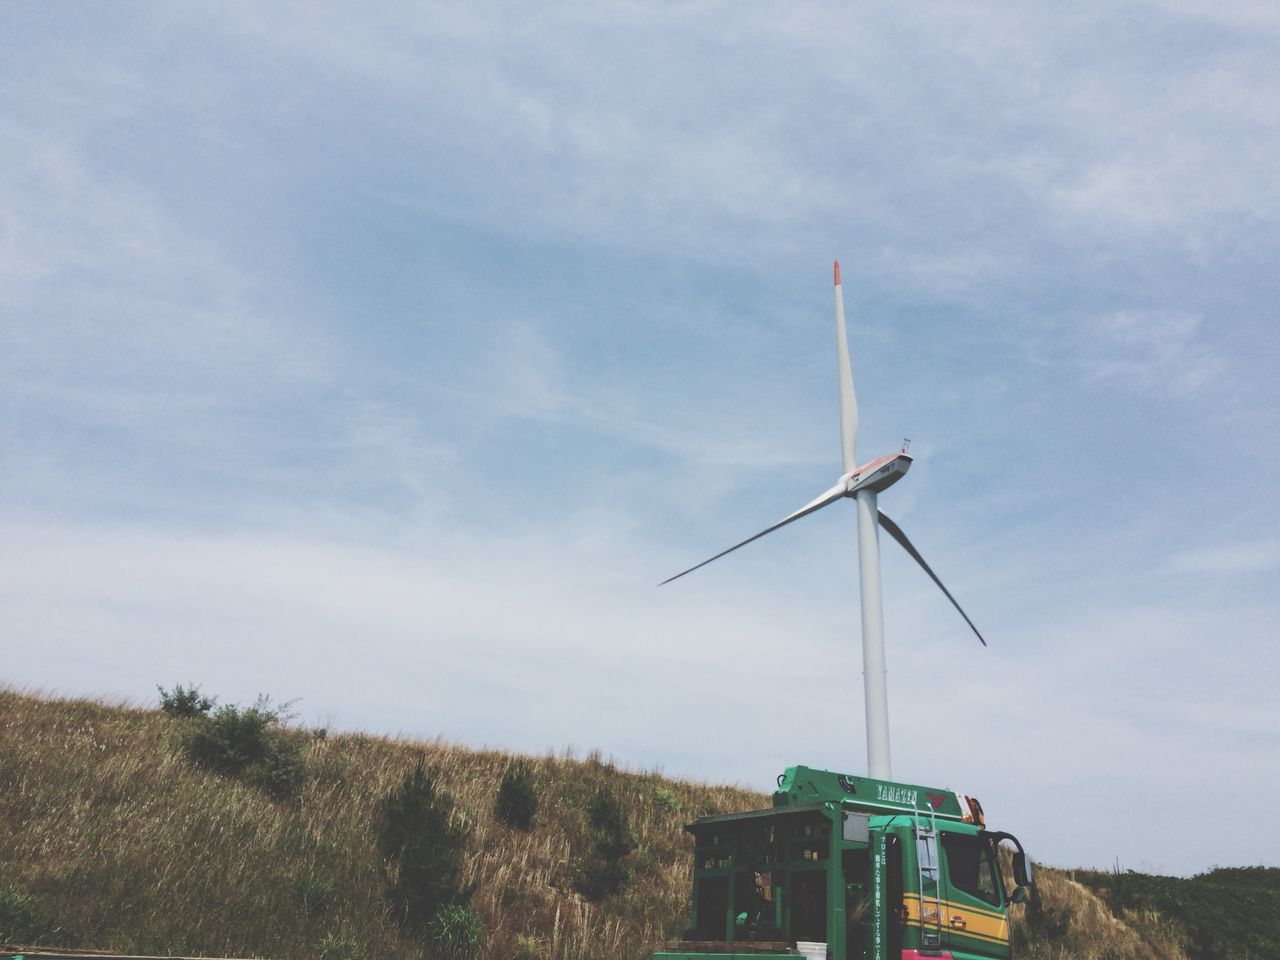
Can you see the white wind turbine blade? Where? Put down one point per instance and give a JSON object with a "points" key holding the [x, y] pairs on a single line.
{"points": [[848, 402], [830, 496], [895, 531]]}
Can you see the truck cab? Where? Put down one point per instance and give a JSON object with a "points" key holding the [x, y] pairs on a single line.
{"points": [[849, 868]]}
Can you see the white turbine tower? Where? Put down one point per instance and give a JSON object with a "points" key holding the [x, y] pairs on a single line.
{"points": [[863, 484]]}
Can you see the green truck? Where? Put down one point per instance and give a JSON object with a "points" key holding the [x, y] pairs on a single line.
{"points": [[849, 868]]}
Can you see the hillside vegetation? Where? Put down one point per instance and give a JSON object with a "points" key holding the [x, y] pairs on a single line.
{"points": [[1227, 912], [112, 837]]}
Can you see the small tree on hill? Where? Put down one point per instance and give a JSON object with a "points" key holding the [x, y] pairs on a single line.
{"points": [[185, 701], [605, 871], [517, 801], [423, 850]]}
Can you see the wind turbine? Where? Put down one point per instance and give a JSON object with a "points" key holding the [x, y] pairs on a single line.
{"points": [[863, 484]]}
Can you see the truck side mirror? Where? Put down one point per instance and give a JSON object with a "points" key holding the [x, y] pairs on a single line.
{"points": [[1019, 895], [1022, 870]]}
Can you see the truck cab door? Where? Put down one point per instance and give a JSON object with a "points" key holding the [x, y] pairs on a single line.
{"points": [[975, 921]]}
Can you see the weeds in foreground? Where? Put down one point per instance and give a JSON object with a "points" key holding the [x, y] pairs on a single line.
{"points": [[456, 933], [23, 920], [317, 890], [526, 947], [339, 946]]}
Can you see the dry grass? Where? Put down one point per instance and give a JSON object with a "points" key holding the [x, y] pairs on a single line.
{"points": [[133, 849], [1076, 925]]}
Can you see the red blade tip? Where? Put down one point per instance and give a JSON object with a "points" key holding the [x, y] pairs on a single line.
{"points": [[837, 273]]}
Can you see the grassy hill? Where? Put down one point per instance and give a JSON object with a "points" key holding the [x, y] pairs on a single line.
{"points": [[110, 837], [1227, 912]]}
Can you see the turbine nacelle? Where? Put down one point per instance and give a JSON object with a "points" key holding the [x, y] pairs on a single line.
{"points": [[879, 474]]}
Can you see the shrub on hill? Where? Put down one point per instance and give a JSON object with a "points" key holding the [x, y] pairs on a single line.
{"points": [[185, 701], [517, 801], [666, 800], [423, 849], [248, 743], [1119, 892]]}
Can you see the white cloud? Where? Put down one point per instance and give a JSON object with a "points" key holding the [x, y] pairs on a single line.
{"points": [[1255, 556], [1155, 350]]}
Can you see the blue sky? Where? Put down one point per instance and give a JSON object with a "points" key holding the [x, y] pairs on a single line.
{"points": [[387, 360]]}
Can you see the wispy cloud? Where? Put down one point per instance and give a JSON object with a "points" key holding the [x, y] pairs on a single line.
{"points": [[519, 371], [1161, 350], [1251, 556]]}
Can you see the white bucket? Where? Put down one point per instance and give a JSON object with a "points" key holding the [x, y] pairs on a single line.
{"points": [[811, 950]]}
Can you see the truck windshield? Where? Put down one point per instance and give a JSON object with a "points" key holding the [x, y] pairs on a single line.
{"points": [[971, 866]]}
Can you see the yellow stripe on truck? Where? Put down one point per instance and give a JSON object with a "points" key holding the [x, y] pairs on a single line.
{"points": [[991, 927]]}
